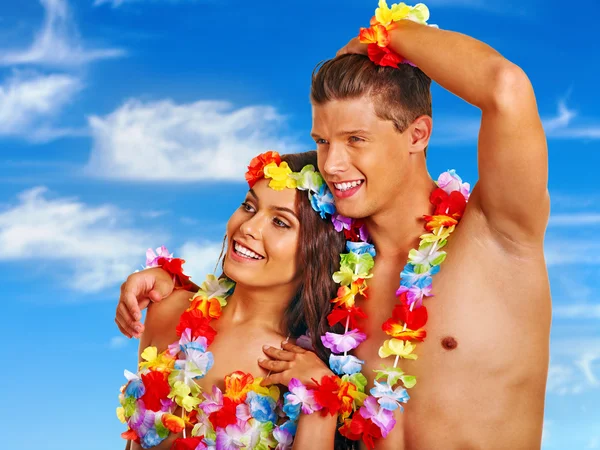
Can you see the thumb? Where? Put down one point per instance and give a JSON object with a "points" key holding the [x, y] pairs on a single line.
{"points": [[161, 289]]}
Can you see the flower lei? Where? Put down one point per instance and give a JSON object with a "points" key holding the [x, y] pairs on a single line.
{"points": [[246, 415], [384, 20], [346, 394]]}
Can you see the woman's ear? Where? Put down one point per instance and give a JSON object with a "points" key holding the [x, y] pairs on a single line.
{"points": [[420, 133]]}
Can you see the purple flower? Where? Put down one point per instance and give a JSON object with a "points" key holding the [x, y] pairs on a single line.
{"points": [[450, 181], [212, 402], [340, 343], [341, 222], [230, 438], [383, 418], [415, 294]]}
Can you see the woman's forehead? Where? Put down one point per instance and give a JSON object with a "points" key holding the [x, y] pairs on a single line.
{"points": [[269, 197]]}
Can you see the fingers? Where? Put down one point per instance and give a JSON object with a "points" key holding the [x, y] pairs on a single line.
{"points": [[275, 378], [275, 353], [129, 299], [293, 348], [273, 366], [125, 322]]}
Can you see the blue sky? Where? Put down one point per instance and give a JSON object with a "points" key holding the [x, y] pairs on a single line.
{"points": [[126, 124]]}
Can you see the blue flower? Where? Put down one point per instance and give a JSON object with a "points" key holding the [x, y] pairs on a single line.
{"points": [[292, 411], [262, 407], [151, 439], [135, 388], [322, 201], [342, 364], [409, 277], [289, 426], [360, 248], [389, 398]]}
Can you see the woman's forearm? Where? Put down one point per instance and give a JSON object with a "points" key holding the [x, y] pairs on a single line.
{"points": [[315, 432]]}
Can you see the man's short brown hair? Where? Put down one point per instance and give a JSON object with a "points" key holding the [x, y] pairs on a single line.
{"points": [[400, 95]]}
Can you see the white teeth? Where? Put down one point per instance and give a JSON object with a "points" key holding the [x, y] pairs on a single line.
{"points": [[346, 186], [246, 251]]}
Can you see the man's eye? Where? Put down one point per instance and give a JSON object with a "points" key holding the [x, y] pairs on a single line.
{"points": [[355, 139], [321, 141]]}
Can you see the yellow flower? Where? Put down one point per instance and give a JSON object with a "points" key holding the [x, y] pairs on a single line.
{"points": [[121, 414], [154, 361], [280, 176], [397, 347], [271, 391], [401, 11], [437, 234]]}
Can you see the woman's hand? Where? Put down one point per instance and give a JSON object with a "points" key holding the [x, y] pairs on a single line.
{"points": [[290, 362], [353, 47]]}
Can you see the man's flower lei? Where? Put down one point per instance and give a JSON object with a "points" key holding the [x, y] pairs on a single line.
{"points": [[385, 19]]}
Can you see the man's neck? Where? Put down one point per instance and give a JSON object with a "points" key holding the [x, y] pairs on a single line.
{"points": [[396, 229]]}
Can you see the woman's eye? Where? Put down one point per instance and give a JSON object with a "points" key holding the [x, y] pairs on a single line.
{"points": [[247, 207], [280, 223]]}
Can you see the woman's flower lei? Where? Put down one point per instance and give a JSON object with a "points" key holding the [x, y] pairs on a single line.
{"points": [[384, 20], [246, 415], [174, 266]]}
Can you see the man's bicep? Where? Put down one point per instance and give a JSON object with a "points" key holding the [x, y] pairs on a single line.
{"points": [[513, 164]]}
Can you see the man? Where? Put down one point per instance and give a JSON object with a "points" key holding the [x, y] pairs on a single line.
{"points": [[482, 369]]}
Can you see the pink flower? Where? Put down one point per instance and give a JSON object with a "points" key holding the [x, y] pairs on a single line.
{"points": [[383, 418], [212, 402], [449, 181], [340, 343], [152, 258], [299, 395]]}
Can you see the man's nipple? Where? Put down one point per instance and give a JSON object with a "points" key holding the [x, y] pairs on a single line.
{"points": [[449, 343]]}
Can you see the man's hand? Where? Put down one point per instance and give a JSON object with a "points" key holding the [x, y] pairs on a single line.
{"points": [[353, 47], [141, 288]]}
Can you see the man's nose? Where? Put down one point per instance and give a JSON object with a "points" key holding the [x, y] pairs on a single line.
{"points": [[336, 161]]}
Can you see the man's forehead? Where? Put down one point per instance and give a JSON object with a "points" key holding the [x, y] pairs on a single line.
{"points": [[338, 115]]}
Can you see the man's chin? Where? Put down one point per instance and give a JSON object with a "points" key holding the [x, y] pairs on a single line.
{"points": [[351, 210]]}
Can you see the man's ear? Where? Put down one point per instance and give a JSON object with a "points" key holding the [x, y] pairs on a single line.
{"points": [[420, 133]]}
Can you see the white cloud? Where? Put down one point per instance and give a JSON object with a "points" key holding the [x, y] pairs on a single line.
{"points": [[117, 3], [200, 259], [564, 251], [165, 141], [57, 43], [28, 103], [562, 119], [576, 219], [93, 248], [117, 342], [577, 311], [574, 367]]}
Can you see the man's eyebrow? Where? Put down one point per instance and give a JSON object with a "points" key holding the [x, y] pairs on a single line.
{"points": [[351, 132]]}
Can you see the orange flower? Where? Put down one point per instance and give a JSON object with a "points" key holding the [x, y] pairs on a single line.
{"points": [[432, 222], [237, 386], [210, 308], [257, 165], [346, 295], [376, 34], [396, 329]]}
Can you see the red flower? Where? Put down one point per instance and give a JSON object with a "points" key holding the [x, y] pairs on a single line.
{"points": [[358, 428], [175, 267], [353, 234], [225, 416], [257, 165], [130, 435], [340, 315], [452, 205], [415, 319], [157, 389], [396, 329], [326, 395], [200, 325], [383, 56], [190, 443]]}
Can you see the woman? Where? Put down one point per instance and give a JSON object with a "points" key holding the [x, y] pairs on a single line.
{"points": [[281, 255]]}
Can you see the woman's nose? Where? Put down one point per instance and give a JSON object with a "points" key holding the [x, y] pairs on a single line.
{"points": [[252, 227]]}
